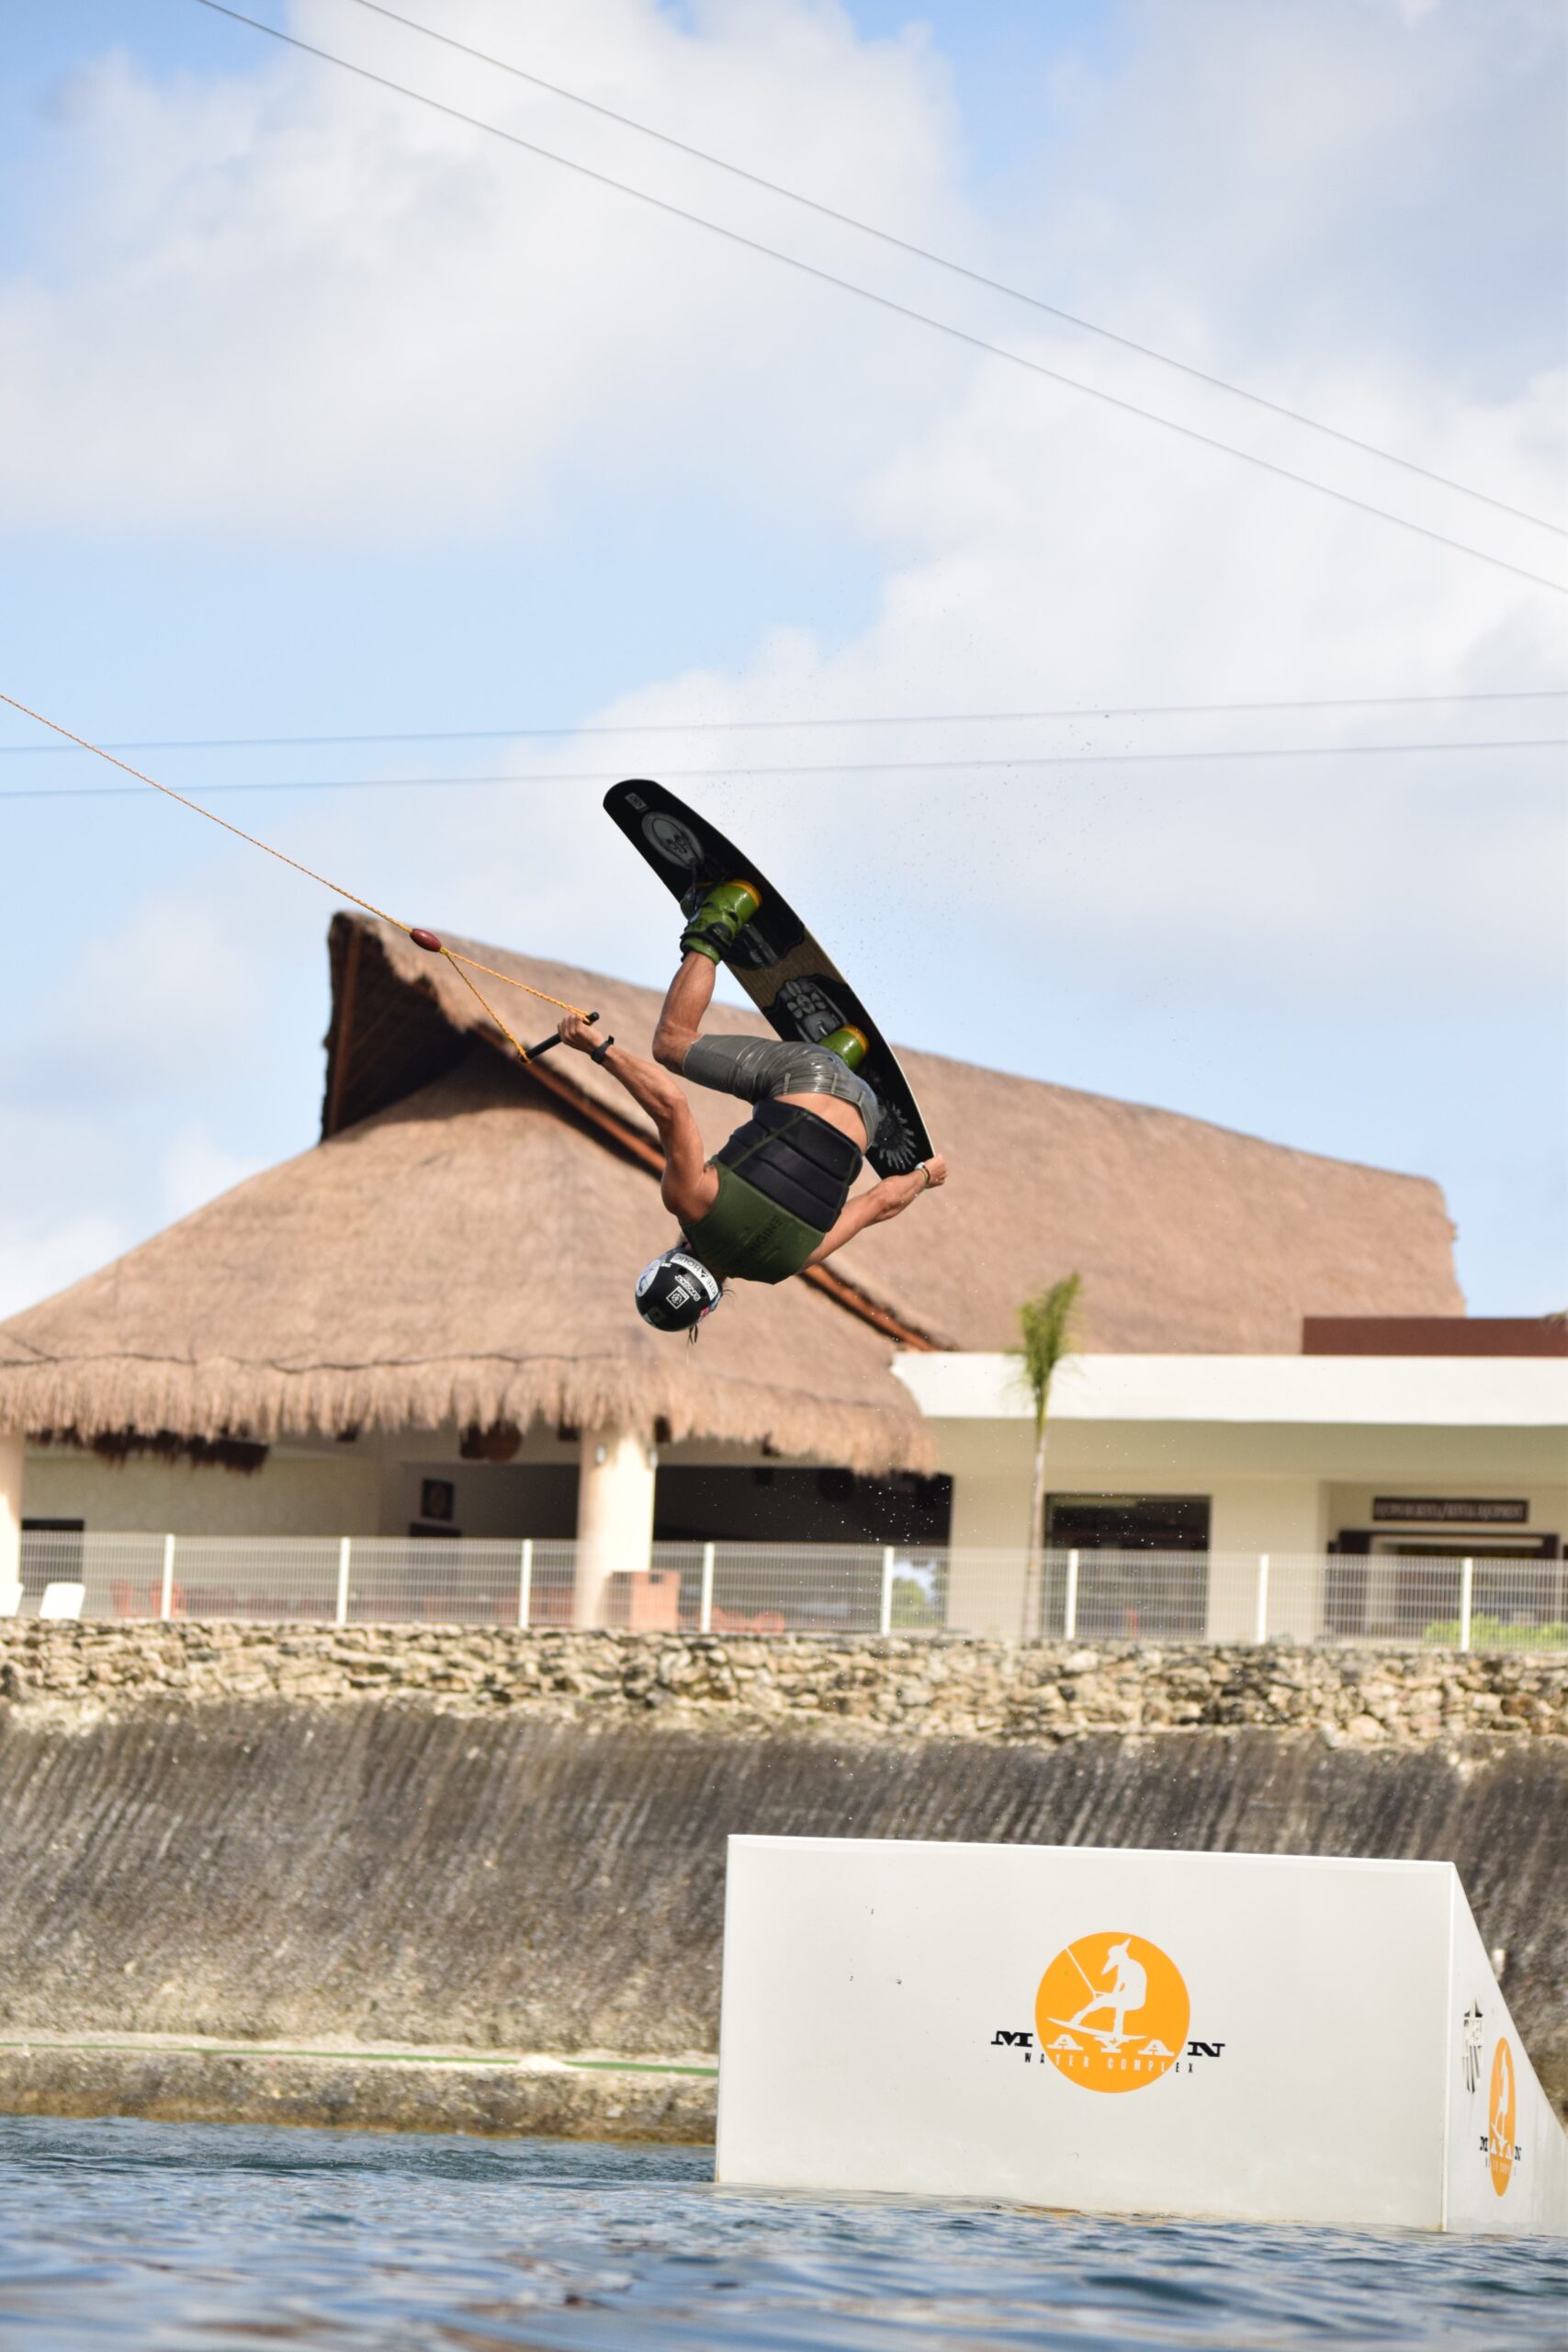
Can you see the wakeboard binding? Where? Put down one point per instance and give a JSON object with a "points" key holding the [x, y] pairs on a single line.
{"points": [[788, 976], [850, 1044], [717, 918]]}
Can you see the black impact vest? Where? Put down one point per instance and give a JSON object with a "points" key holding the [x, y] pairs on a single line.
{"points": [[784, 1179], [798, 1161]]}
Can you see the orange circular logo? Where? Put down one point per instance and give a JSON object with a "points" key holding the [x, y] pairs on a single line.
{"points": [[1501, 2116], [1113, 2012]]}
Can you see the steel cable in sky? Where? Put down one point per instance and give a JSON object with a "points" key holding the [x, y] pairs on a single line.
{"points": [[755, 725], [1000, 761], [963, 269], [887, 302]]}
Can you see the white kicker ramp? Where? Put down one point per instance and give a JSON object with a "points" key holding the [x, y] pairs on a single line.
{"points": [[1233, 2036]]}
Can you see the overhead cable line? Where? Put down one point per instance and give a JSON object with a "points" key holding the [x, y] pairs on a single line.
{"points": [[461, 965], [755, 725], [885, 302], [998, 763], [962, 269]]}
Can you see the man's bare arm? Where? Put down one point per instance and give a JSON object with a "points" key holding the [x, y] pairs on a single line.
{"points": [[888, 1199], [688, 1187]]}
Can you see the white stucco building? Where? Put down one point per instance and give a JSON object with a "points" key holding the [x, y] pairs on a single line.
{"points": [[1364, 1461]]}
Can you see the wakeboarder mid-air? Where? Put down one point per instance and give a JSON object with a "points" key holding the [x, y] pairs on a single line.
{"points": [[774, 1200]]}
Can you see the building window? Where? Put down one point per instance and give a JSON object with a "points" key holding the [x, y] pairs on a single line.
{"points": [[1128, 1522], [789, 1505], [1382, 1586], [53, 1551], [1143, 1565]]}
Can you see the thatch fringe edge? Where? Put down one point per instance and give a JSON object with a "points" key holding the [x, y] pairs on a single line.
{"points": [[223, 1399]]}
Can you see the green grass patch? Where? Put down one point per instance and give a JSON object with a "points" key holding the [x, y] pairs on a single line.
{"points": [[1492, 1634]]}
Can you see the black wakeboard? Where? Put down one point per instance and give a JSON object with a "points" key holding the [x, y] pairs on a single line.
{"points": [[793, 984]]}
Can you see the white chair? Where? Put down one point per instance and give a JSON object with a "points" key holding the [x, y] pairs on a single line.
{"points": [[10, 1599], [63, 1600]]}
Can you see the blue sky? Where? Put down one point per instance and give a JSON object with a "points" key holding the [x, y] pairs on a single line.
{"points": [[331, 419]]}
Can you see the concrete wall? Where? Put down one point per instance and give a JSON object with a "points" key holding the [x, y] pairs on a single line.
{"points": [[373, 1488], [12, 1456], [491, 1500], [332, 1493]]}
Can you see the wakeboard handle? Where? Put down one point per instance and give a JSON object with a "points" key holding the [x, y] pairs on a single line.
{"points": [[432, 946], [546, 1045]]}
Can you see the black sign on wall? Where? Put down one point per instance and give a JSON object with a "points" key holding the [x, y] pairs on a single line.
{"points": [[1448, 1510]]}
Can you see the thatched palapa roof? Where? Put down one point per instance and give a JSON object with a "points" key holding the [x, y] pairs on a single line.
{"points": [[461, 1246]]}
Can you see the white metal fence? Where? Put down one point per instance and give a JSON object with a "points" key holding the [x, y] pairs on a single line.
{"points": [[1089, 1596]]}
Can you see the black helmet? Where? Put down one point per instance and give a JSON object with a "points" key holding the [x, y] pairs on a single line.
{"points": [[676, 1290]]}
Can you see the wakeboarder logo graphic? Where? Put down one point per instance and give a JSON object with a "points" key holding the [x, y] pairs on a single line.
{"points": [[1502, 2115], [811, 1008], [672, 840], [1113, 2012]]}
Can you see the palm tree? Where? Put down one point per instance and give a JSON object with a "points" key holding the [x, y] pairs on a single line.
{"points": [[1047, 1323]]}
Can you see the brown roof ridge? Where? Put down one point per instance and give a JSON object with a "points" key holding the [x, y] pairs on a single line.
{"points": [[1190, 1237], [922, 1054], [858, 1297], [463, 1257], [569, 1080]]}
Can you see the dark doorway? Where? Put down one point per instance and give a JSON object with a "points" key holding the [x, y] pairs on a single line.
{"points": [[1128, 1522], [793, 1506], [1143, 1565], [55, 1550]]}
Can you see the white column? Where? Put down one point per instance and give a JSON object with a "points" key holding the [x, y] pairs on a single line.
{"points": [[615, 1514], [12, 1447]]}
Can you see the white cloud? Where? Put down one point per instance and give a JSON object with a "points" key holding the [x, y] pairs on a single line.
{"points": [[37, 1261], [1030, 569], [285, 306], [168, 990], [295, 305]]}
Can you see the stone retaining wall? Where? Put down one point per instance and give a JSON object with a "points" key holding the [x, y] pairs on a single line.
{"points": [[928, 1687]]}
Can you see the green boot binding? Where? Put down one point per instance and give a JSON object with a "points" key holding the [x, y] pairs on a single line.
{"points": [[850, 1044], [717, 919]]}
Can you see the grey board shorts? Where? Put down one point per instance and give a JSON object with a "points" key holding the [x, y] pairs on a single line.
{"points": [[759, 1069]]}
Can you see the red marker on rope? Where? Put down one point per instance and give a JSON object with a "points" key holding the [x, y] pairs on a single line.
{"points": [[433, 947]]}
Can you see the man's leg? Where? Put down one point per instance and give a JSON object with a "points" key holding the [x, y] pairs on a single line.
{"points": [[713, 921], [681, 1017]]}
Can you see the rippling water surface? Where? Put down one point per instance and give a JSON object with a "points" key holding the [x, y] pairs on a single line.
{"points": [[199, 2238]]}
